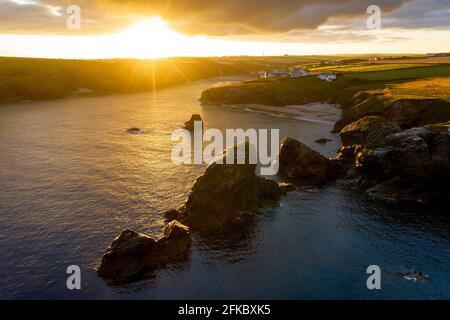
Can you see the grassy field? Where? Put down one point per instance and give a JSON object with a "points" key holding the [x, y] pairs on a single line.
{"points": [[394, 81], [419, 60], [432, 88], [403, 74], [24, 79], [290, 91], [367, 67]]}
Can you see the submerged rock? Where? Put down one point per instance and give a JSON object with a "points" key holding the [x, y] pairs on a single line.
{"points": [[322, 140], [189, 125], [135, 130], [132, 253], [304, 166], [414, 276]]}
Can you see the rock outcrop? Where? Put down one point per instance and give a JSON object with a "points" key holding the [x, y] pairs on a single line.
{"points": [[224, 192], [132, 254], [322, 140], [189, 125], [369, 130], [406, 113], [409, 165], [135, 130], [410, 113], [304, 166]]}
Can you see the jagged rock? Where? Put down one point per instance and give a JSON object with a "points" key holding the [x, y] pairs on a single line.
{"points": [[346, 158], [133, 253], [407, 113], [410, 165], [177, 240], [439, 148], [343, 122], [406, 153], [403, 153], [368, 103], [189, 125], [171, 214], [368, 130], [125, 257], [223, 191], [363, 104], [303, 165], [410, 113]]}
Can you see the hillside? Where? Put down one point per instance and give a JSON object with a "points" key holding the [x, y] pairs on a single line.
{"points": [[30, 79], [413, 95]]}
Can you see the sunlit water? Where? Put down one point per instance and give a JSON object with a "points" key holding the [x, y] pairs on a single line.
{"points": [[71, 178]]}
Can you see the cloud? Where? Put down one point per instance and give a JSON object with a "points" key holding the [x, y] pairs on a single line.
{"points": [[274, 19], [420, 14], [231, 17]]}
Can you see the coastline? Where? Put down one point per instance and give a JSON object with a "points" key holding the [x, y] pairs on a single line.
{"points": [[319, 112], [126, 181]]}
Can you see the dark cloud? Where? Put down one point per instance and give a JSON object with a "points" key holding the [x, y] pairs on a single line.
{"points": [[420, 14], [223, 17], [230, 17]]}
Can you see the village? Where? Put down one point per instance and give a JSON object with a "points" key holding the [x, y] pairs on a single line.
{"points": [[294, 73]]}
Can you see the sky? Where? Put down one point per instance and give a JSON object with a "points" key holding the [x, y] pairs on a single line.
{"points": [[89, 29]]}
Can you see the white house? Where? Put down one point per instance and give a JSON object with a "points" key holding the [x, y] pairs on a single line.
{"points": [[327, 76], [278, 73], [298, 72], [263, 74]]}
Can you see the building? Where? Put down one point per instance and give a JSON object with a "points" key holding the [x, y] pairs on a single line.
{"points": [[263, 74], [327, 76], [278, 73], [298, 72]]}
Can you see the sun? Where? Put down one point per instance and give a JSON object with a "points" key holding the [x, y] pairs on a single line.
{"points": [[151, 38]]}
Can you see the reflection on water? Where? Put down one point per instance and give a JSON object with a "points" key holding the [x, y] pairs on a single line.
{"points": [[71, 178]]}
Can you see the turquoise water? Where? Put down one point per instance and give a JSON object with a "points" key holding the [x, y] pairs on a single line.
{"points": [[71, 178]]}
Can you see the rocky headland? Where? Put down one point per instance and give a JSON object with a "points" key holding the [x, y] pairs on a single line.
{"points": [[397, 151], [394, 148]]}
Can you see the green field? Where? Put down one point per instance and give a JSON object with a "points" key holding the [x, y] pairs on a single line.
{"points": [[429, 88], [26, 79], [367, 67], [403, 74], [283, 91]]}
